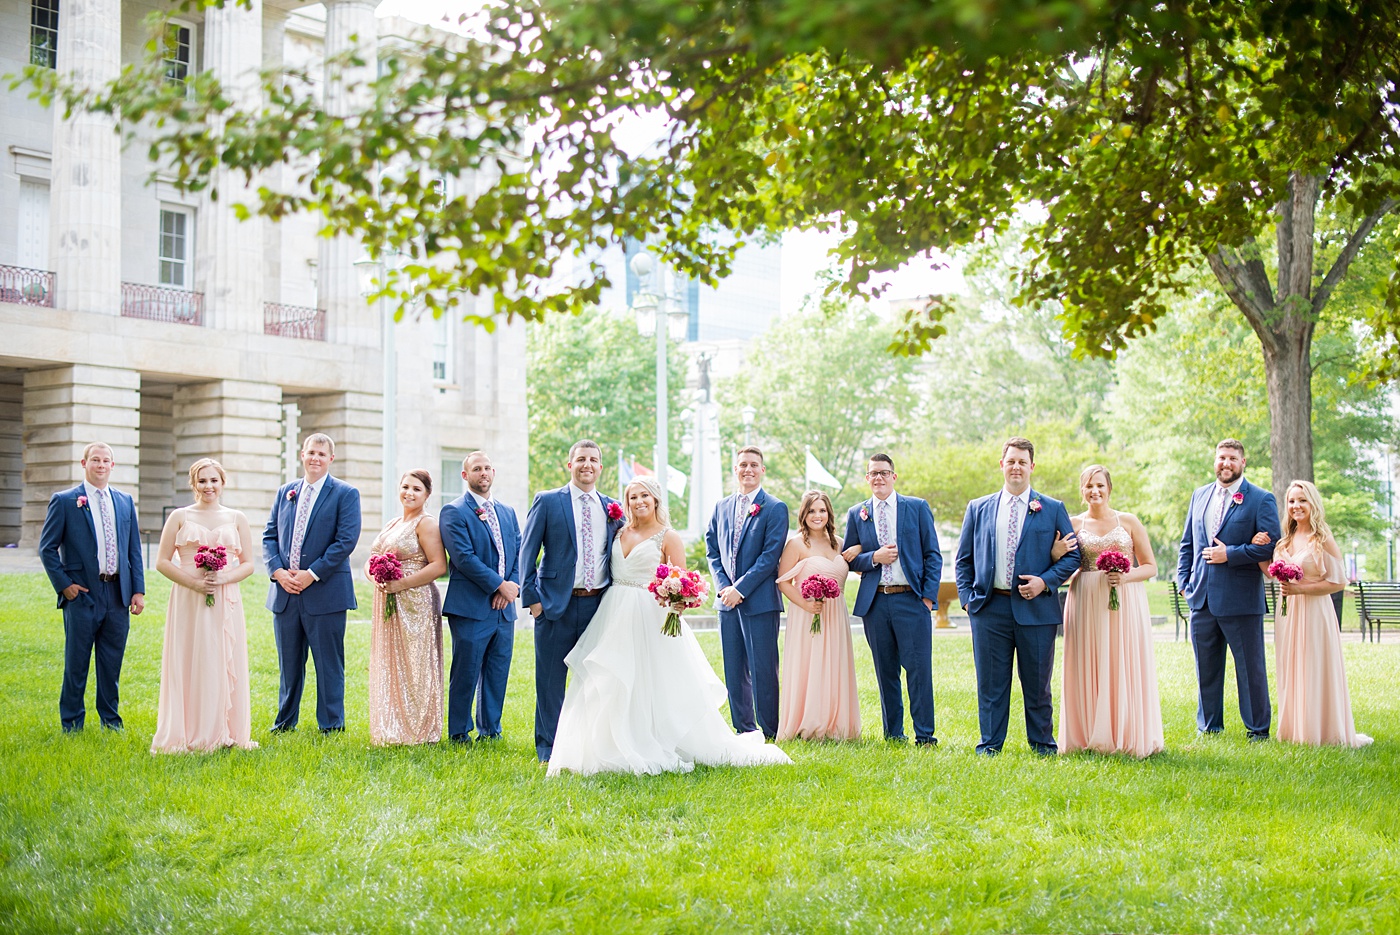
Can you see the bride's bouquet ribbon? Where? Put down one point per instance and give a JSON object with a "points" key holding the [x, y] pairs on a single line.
{"points": [[818, 588], [1285, 571], [676, 589], [1112, 560]]}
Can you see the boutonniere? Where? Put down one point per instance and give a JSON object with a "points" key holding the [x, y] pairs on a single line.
{"points": [[481, 513], [615, 512], [1238, 497], [754, 510], [291, 494], [82, 502], [864, 513], [1034, 505]]}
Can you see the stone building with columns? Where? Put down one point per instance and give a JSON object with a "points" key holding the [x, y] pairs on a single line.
{"points": [[155, 320]]}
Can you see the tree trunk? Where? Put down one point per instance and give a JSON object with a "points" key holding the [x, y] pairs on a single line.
{"points": [[1288, 374]]}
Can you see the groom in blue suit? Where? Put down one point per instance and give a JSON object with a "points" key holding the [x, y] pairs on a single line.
{"points": [[313, 528], [1218, 573], [900, 565], [91, 549], [575, 526], [483, 546], [1007, 582], [743, 544]]}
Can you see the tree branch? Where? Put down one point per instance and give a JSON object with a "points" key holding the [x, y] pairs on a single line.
{"points": [[1236, 278], [1343, 262]]}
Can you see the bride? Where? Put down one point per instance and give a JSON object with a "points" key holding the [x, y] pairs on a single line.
{"points": [[639, 701]]}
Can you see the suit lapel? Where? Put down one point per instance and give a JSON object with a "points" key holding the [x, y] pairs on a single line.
{"points": [[566, 500], [1031, 497], [989, 523]]}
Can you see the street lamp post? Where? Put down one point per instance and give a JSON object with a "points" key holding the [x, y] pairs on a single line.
{"points": [[654, 316], [747, 414]]}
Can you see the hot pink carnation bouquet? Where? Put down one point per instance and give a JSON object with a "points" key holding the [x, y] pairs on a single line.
{"points": [[210, 558], [818, 588], [383, 569], [676, 589], [1285, 571], [1113, 560]]}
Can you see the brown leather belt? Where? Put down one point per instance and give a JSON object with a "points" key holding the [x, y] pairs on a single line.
{"points": [[893, 589], [109, 578], [587, 592], [1002, 591]]}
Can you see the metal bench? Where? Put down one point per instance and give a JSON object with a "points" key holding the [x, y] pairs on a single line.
{"points": [[1181, 612], [1377, 602]]}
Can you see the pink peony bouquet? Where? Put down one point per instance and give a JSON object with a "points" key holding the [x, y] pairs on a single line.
{"points": [[383, 569], [676, 589], [210, 558], [1285, 571], [1113, 560], [818, 588]]}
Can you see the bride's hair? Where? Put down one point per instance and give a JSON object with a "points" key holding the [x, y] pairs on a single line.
{"points": [[1320, 530], [650, 485], [809, 500]]}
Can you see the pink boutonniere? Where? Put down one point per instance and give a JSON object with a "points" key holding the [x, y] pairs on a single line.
{"points": [[615, 512], [1034, 505], [1238, 497], [754, 510], [82, 502], [292, 494], [864, 514], [481, 513]]}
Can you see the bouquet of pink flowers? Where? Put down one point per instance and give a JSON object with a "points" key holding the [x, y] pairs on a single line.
{"points": [[383, 569], [1285, 571], [818, 588], [210, 558], [676, 589], [1113, 560]]}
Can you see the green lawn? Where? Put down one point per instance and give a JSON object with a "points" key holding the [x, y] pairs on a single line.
{"points": [[313, 834]]}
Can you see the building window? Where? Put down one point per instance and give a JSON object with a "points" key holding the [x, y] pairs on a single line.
{"points": [[177, 53], [450, 484], [176, 228], [43, 33], [442, 348]]}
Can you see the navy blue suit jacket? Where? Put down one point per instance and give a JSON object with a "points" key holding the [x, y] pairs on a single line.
{"points": [[1236, 588], [332, 532], [919, 556], [976, 564], [549, 525], [472, 558], [68, 543], [761, 542]]}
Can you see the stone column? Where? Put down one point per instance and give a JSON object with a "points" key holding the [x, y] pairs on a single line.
{"points": [[64, 409], [355, 422], [11, 461], [239, 424], [161, 485], [85, 189], [229, 264], [274, 40], [350, 25]]}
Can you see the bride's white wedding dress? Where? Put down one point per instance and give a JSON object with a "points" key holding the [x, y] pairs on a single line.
{"points": [[639, 701]]}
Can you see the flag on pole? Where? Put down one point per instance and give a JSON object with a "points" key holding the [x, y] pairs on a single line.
{"points": [[816, 474], [675, 481]]}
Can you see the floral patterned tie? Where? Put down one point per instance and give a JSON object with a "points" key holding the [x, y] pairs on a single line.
{"points": [[1013, 537], [1220, 510], [109, 532], [886, 571], [586, 540], [740, 514], [299, 530], [493, 523]]}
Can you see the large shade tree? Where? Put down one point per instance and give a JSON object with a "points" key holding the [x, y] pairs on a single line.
{"points": [[1153, 136]]}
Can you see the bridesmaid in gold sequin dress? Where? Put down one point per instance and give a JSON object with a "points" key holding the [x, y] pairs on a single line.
{"points": [[405, 650], [1110, 702]]}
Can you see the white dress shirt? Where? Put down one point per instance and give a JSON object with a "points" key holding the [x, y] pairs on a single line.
{"points": [[1213, 508], [313, 491], [1006, 562], [600, 536], [896, 569], [94, 506]]}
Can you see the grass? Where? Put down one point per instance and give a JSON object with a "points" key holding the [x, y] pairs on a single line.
{"points": [[313, 834]]}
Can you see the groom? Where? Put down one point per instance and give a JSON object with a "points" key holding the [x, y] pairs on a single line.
{"points": [[313, 528], [743, 544], [1218, 573], [575, 526], [1006, 581]]}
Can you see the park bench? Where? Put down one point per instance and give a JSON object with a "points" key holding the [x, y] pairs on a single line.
{"points": [[1181, 613], [1377, 602]]}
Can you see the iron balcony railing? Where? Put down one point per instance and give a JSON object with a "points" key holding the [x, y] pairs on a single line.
{"points": [[22, 286], [294, 321], [162, 303]]}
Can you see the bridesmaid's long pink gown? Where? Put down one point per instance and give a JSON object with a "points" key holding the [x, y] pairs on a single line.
{"points": [[204, 667], [1313, 704], [1110, 702], [818, 700]]}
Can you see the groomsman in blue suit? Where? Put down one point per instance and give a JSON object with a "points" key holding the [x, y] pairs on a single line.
{"points": [[575, 526], [743, 544], [91, 548], [900, 565], [1218, 573], [1007, 581], [313, 528], [483, 546]]}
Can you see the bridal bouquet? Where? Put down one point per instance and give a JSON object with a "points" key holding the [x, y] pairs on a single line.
{"points": [[1113, 560], [818, 588], [1285, 571], [210, 558], [383, 569], [676, 589]]}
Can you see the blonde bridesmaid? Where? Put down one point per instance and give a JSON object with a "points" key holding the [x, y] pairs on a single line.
{"points": [[1314, 706], [818, 700], [405, 650], [204, 666]]}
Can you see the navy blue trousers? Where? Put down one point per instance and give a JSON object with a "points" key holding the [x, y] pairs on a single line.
{"points": [[750, 644], [95, 624], [998, 641], [1210, 635], [553, 641], [481, 653], [323, 635], [899, 629]]}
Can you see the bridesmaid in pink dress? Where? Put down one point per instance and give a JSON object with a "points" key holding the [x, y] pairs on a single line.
{"points": [[1109, 703], [818, 700], [204, 667], [1313, 704]]}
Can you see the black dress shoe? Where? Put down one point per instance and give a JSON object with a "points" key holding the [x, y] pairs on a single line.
{"points": [[1257, 736], [332, 730], [280, 730], [989, 751], [900, 739], [117, 726], [931, 742], [72, 728], [463, 739]]}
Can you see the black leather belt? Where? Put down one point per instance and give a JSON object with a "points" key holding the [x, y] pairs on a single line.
{"points": [[587, 592], [109, 578], [1005, 592], [893, 588]]}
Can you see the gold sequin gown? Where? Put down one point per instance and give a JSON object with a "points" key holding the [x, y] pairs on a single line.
{"points": [[405, 651]]}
